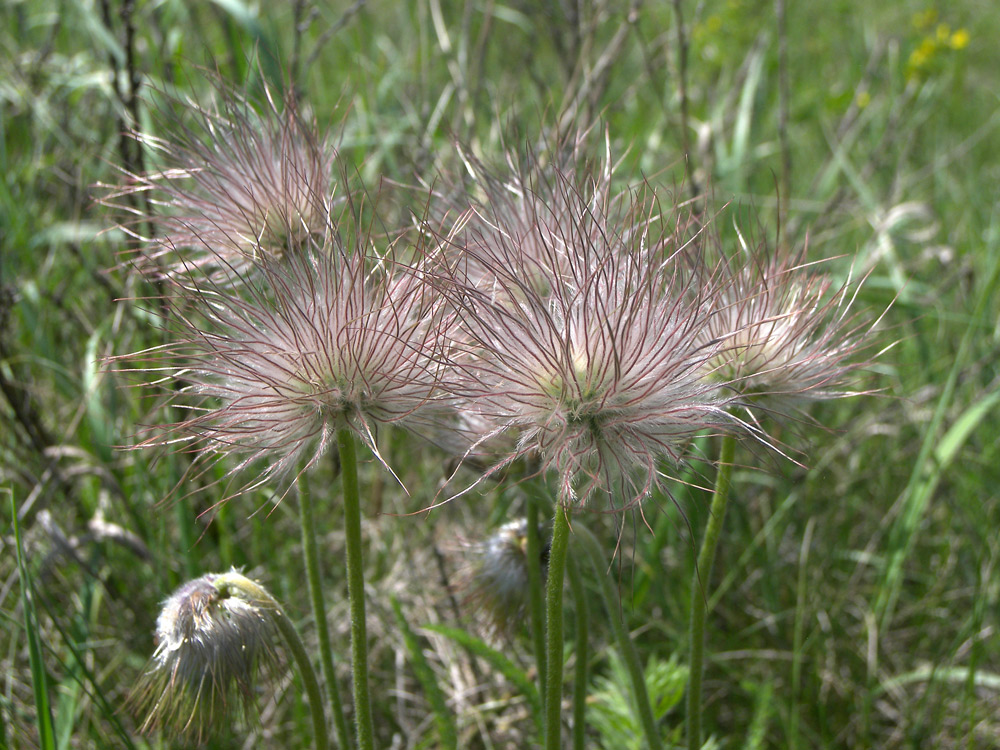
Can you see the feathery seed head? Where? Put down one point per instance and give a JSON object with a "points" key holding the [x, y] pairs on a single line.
{"points": [[215, 638], [239, 183], [319, 342], [596, 358], [787, 335], [527, 220]]}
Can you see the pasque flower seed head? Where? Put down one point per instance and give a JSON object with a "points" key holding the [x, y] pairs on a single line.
{"points": [[787, 333], [319, 342], [494, 581], [583, 341], [238, 183]]}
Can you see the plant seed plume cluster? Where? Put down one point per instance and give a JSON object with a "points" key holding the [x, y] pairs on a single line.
{"points": [[582, 335], [789, 334], [584, 323], [319, 341], [549, 316]]}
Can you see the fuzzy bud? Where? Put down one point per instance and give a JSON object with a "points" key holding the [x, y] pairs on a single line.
{"points": [[495, 581], [215, 638]]}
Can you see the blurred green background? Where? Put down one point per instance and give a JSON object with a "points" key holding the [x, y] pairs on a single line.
{"points": [[857, 592]]}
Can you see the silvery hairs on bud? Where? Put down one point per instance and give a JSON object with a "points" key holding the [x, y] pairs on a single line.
{"points": [[493, 581], [214, 648], [788, 333]]}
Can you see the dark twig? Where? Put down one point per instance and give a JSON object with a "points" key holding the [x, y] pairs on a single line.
{"points": [[596, 80], [682, 90], [299, 26], [134, 82]]}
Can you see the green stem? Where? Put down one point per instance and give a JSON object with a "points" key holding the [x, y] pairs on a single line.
{"points": [[356, 589], [535, 598], [639, 691], [311, 554], [554, 627], [582, 656], [699, 593], [254, 592]]}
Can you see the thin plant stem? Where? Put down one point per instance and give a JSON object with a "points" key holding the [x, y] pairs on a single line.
{"points": [[356, 589], [554, 627], [536, 600], [250, 591], [311, 554], [800, 600], [629, 655], [308, 678], [699, 594], [582, 654]]}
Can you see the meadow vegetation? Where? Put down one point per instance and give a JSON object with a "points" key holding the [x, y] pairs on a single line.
{"points": [[854, 597]]}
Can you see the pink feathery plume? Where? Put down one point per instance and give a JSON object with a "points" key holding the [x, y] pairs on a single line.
{"points": [[237, 183]]}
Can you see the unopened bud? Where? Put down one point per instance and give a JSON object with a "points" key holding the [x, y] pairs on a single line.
{"points": [[216, 638], [495, 581]]}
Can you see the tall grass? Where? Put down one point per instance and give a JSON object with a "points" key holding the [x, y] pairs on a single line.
{"points": [[853, 602]]}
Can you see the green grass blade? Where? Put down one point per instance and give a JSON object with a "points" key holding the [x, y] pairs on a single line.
{"points": [[498, 661], [425, 675], [43, 709], [763, 708], [960, 431], [87, 682], [926, 471]]}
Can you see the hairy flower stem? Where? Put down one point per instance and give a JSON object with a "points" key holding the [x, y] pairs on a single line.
{"points": [[582, 655], [311, 555], [535, 598], [244, 588], [356, 588], [699, 586], [554, 627], [598, 562]]}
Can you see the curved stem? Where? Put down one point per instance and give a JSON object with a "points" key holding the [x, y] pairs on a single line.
{"points": [[253, 591], [699, 594], [582, 656], [308, 678], [356, 589], [311, 555], [535, 599], [599, 563], [554, 627]]}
